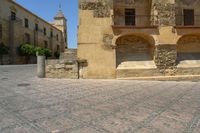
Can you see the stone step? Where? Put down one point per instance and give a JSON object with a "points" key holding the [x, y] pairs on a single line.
{"points": [[194, 78], [137, 65], [181, 73], [126, 73]]}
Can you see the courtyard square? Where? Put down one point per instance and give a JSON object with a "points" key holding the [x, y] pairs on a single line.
{"points": [[32, 105]]}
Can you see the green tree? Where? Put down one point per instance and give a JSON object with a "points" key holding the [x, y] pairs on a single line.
{"points": [[47, 53], [3, 51], [40, 51], [26, 50]]}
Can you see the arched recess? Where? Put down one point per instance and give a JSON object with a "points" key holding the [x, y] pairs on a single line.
{"points": [[188, 50], [135, 50]]}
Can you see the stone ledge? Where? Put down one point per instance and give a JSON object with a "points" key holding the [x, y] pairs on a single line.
{"points": [[166, 78]]}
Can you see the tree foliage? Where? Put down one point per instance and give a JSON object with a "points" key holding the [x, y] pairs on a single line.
{"points": [[43, 52], [26, 50]]}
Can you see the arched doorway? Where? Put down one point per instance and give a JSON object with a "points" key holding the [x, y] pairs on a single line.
{"points": [[134, 51], [188, 50]]}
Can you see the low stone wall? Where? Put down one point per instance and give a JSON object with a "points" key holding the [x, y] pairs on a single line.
{"points": [[61, 69]]}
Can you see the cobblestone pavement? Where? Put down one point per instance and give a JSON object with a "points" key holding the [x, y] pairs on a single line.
{"points": [[32, 105]]}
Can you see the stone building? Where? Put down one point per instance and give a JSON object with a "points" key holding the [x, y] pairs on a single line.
{"points": [[19, 25], [139, 38]]}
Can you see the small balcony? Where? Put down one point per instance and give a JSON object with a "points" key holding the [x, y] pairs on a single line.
{"points": [[187, 21], [134, 21]]}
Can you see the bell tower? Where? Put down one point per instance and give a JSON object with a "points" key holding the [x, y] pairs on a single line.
{"points": [[61, 23]]}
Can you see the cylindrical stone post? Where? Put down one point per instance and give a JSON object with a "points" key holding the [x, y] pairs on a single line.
{"points": [[41, 66]]}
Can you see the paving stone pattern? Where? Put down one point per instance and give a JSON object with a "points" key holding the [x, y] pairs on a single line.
{"points": [[32, 105]]}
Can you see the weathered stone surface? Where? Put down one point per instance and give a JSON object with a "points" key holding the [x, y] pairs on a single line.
{"points": [[165, 58], [163, 13], [57, 69], [107, 39], [101, 7]]}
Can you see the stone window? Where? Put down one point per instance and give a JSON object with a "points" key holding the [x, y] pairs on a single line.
{"points": [[188, 16], [129, 16], [51, 34], [57, 38], [26, 23], [58, 47], [1, 31], [36, 27], [45, 31], [13, 15], [27, 38], [45, 44]]}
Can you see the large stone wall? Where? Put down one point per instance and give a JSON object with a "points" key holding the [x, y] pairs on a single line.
{"points": [[98, 34]]}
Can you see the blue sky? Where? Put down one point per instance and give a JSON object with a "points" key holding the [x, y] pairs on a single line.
{"points": [[47, 9]]}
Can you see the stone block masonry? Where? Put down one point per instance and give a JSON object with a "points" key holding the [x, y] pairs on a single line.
{"points": [[165, 59], [65, 67], [61, 69]]}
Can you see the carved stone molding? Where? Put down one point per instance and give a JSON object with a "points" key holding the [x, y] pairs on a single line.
{"points": [[188, 2], [107, 39]]}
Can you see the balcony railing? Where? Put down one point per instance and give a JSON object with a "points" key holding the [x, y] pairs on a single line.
{"points": [[183, 22], [134, 21]]}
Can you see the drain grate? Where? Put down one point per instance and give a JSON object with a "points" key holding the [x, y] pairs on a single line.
{"points": [[23, 85]]}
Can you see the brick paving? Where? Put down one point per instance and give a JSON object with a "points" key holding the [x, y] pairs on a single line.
{"points": [[32, 105]]}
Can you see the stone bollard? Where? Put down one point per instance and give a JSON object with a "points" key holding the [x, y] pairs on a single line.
{"points": [[41, 66]]}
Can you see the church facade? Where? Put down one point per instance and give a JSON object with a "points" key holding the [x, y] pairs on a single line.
{"points": [[19, 26], [132, 39]]}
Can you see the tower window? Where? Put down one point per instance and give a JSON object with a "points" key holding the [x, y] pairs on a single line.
{"points": [[129, 16], [13, 15], [1, 31], [45, 31], [188, 16], [26, 23]]}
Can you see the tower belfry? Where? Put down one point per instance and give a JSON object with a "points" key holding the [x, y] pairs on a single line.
{"points": [[61, 23]]}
